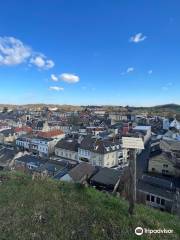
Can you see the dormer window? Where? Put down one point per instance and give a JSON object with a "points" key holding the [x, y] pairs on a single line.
{"points": [[113, 147], [107, 149]]}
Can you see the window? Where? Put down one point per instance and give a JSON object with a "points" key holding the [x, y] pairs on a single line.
{"points": [[162, 202], [165, 165], [165, 171], [158, 200], [152, 198], [148, 197]]}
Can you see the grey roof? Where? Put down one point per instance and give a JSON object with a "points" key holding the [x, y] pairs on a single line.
{"points": [[61, 173], [68, 144], [153, 189], [106, 176], [31, 159], [7, 132], [170, 145], [158, 185], [161, 182], [51, 167], [99, 145], [82, 170], [6, 155]]}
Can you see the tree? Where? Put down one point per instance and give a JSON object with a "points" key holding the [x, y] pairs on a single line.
{"points": [[5, 109]]}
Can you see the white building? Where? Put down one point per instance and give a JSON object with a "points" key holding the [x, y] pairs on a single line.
{"points": [[39, 146], [175, 124], [146, 130], [67, 148], [166, 124], [98, 152]]}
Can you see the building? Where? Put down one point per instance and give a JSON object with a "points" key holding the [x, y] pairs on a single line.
{"points": [[43, 147], [155, 144], [165, 164], [67, 148], [166, 124], [28, 162], [175, 124], [81, 173], [54, 134], [145, 131], [118, 116], [7, 136], [105, 179], [23, 130], [158, 192], [98, 152]]}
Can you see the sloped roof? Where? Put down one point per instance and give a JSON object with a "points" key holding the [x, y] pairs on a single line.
{"points": [[99, 146], [68, 144], [6, 155], [106, 176], [82, 170], [49, 134], [23, 129]]}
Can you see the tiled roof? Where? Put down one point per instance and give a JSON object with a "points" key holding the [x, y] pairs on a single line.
{"points": [[49, 134], [23, 129]]}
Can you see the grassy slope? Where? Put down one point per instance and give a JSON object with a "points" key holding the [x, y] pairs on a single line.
{"points": [[54, 210]]}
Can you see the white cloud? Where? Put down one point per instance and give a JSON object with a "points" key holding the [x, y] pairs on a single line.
{"points": [[130, 69], [69, 78], [139, 37], [56, 88], [66, 77], [54, 78], [38, 61], [49, 64], [42, 62], [14, 52], [150, 72]]}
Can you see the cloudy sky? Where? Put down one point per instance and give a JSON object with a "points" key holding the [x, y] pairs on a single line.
{"points": [[90, 52]]}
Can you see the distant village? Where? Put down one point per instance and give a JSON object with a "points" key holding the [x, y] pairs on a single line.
{"points": [[85, 146]]}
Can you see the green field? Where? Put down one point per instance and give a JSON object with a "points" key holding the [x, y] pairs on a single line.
{"points": [[48, 209]]}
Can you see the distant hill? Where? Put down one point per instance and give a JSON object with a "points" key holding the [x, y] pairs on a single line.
{"points": [[53, 210], [159, 109], [169, 110], [172, 106]]}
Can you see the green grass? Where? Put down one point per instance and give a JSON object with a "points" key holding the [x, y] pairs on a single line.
{"points": [[48, 209]]}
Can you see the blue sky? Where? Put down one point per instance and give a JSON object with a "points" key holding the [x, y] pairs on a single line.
{"points": [[90, 52]]}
